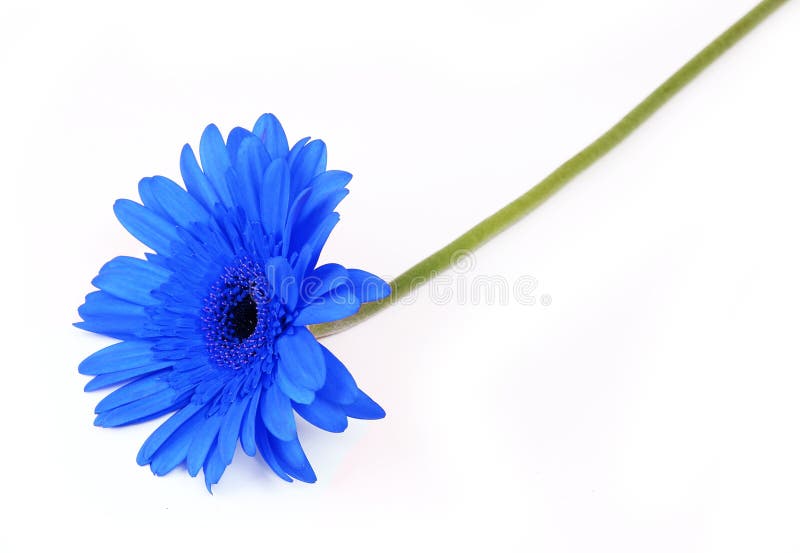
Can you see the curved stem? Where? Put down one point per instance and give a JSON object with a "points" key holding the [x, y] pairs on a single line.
{"points": [[530, 200]]}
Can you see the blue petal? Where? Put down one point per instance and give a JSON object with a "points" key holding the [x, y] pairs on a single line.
{"points": [[310, 162], [196, 181], [291, 221], [163, 432], [234, 142], [117, 357], [248, 437], [331, 180], [214, 466], [216, 163], [113, 327], [102, 304], [251, 163], [317, 240], [277, 414], [364, 408], [340, 387], [131, 279], [322, 280], [296, 149], [171, 202], [143, 409], [336, 304], [300, 357], [118, 377], [147, 227], [280, 274], [301, 268], [106, 314], [230, 428], [275, 197], [368, 287], [262, 441], [149, 200], [173, 451], [291, 457], [327, 190], [307, 228], [319, 204], [133, 391], [270, 131], [204, 437], [323, 414], [293, 391]]}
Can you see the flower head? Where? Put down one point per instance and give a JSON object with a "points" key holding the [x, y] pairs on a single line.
{"points": [[213, 324]]}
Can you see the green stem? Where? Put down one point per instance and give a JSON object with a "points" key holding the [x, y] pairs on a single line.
{"points": [[530, 200]]}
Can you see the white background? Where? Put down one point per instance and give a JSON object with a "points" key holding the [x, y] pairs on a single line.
{"points": [[652, 406]]}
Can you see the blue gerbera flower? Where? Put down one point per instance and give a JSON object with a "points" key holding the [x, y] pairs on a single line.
{"points": [[213, 324]]}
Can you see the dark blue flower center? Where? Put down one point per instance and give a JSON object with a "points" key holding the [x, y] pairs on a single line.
{"points": [[244, 318], [241, 318]]}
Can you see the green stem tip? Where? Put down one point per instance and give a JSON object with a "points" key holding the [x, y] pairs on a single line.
{"points": [[552, 183]]}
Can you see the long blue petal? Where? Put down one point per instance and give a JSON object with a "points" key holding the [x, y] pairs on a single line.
{"points": [[167, 429], [291, 457], [118, 357], [214, 466], [216, 163], [196, 181], [251, 163], [364, 408], [248, 435], [300, 356], [230, 429], [340, 386], [131, 279], [113, 378], [277, 414], [308, 164], [109, 315], [143, 409], [262, 441], [314, 215], [133, 391], [326, 191], [336, 304], [282, 278], [295, 150], [102, 304], [322, 280], [323, 414], [293, 391], [270, 131], [173, 451], [234, 142], [203, 438], [301, 264], [292, 225], [147, 227], [113, 327], [331, 180], [274, 196], [149, 200], [317, 240], [368, 287], [172, 202]]}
